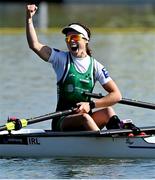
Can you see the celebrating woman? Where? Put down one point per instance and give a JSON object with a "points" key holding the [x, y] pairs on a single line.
{"points": [[77, 71]]}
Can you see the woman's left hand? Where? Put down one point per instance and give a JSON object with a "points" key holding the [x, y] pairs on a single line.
{"points": [[83, 107]]}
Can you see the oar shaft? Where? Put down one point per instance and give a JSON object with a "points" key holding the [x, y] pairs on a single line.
{"points": [[130, 102], [49, 116], [24, 122], [2, 128], [133, 102]]}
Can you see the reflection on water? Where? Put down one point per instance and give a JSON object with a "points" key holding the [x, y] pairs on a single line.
{"points": [[101, 168], [28, 84], [77, 168]]}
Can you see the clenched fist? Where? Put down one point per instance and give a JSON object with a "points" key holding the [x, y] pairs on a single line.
{"points": [[31, 10]]}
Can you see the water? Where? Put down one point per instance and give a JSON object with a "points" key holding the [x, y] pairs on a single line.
{"points": [[28, 89], [77, 168]]}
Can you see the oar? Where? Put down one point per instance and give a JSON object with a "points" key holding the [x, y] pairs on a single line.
{"points": [[130, 102], [24, 122]]}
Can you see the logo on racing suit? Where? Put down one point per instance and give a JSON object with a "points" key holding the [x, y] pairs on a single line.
{"points": [[105, 72]]}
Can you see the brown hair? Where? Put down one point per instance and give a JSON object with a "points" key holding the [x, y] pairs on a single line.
{"points": [[89, 51]]}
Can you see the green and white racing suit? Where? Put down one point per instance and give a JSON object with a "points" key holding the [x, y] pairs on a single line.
{"points": [[74, 76]]}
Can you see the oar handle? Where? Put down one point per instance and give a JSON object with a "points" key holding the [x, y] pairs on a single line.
{"points": [[125, 101], [24, 122]]}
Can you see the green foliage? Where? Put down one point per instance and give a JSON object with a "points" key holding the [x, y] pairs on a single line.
{"points": [[94, 15]]}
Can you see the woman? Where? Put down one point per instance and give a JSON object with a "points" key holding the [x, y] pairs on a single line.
{"points": [[77, 71]]}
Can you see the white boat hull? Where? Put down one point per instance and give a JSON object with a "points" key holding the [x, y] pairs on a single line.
{"points": [[39, 144]]}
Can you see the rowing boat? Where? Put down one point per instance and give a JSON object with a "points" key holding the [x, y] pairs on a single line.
{"points": [[17, 141], [39, 143]]}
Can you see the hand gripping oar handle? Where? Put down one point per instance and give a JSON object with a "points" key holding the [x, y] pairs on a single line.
{"points": [[130, 102], [24, 122]]}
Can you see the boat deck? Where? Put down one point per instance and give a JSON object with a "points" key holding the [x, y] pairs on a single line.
{"points": [[103, 133]]}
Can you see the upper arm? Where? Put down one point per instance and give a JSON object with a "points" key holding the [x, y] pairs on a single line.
{"points": [[42, 51], [111, 86], [101, 74]]}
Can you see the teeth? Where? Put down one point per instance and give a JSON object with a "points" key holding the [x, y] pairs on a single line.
{"points": [[74, 47]]}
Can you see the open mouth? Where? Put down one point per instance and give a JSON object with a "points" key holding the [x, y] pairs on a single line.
{"points": [[74, 47]]}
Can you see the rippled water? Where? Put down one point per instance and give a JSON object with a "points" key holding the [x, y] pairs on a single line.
{"points": [[60, 168], [27, 89]]}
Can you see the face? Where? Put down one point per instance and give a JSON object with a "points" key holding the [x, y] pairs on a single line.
{"points": [[76, 44]]}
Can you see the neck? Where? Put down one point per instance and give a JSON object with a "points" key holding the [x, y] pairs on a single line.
{"points": [[79, 55]]}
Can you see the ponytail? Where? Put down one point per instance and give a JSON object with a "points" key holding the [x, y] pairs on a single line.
{"points": [[88, 50]]}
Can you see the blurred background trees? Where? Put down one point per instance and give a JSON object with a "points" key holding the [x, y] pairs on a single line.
{"points": [[99, 13]]}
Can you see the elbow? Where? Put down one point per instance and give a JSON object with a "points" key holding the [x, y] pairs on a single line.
{"points": [[32, 47], [119, 96]]}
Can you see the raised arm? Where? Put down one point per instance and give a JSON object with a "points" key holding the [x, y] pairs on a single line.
{"points": [[40, 49]]}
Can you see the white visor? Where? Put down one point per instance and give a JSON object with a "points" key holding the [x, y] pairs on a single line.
{"points": [[77, 28]]}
